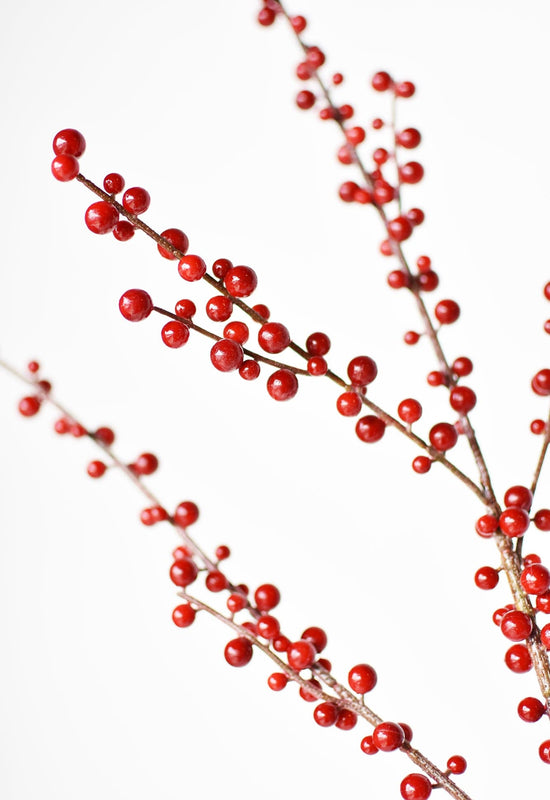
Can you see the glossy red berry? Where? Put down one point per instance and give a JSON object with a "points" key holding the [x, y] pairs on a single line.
{"points": [[186, 514], [416, 217], [409, 138], [398, 279], [337, 78], [462, 399], [399, 229], [411, 337], [69, 142], [219, 308], [65, 168], [226, 355], [428, 281], [362, 678], [542, 519], [545, 636], [235, 602], [381, 81], [422, 464], [282, 385], [273, 337], [316, 636], [238, 331], [317, 344], [29, 406], [135, 305], [101, 217], [346, 719], [113, 183], [518, 497], [240, 281], [486, 526], [123, 230], [185, 308], [281, 644], [447, 312], [216, 581], [368, 746], [191, 268], [370, 428], [266, 597], [305, 100], [325, 714], [183, 572], [347, 191], [304, 71], [268, 627], [183, 615], [388, 736], [415, 787], [412, 172], [513, 522], [249, 370], [543, 602], [136, 200], [298, 23], [541, 382], [266, 16], [277, 681], [409, 410], [177, 239], [96, 469], [530, 709], [362, 370], [238, 652], [301, 655], [517, 658], [146, 464], [544, 751], [516, 625], [486, 578], [462, 366], [349, 404], [535, 579], [105, 435], [538, 427], [175, 334], [443, 436], [405, 89]]}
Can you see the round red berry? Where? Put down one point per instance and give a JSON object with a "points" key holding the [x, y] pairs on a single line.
{"points": [[186, 514], [29, 406], [399, 229], [317, 344], [516, 625], [298, 23], [349, 404], [412, 172], [381, 81], [273, 337], [123, 230], [462, 366], [317, 366], [388, 736], [405, 89], [518, 659], [282, 385], [185, 308], [316, 636], [346, 719], [409, 410], [65, 168], [101, 217], [541, 382], [462, 399], [486, 526], [486, 578], [96, 469], [544, 751], [266, 597], [301, 655], [530, 709], [191, 268], [135, 305], [535, 579], [216, 581], [447, 312], [249, 370], [362, 678], [370, 428], [409, 138], [177, 239], [136, 200], [368, 746], [422, 464], [183, 572], [325, 714], [443, 436], [518, 497], [219, 308], [542, 519], [415, 787], [362, 370], [240, 281], [183, 615], [69, 142], [113, 183], [513, 522], [175, 334], [277, 681], [226, 355], [268, 627], [238, 331], [238, 652], [305, 100]]}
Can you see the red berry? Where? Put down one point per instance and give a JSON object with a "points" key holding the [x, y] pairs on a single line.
{"points": [[216, 581], [305, 100], [282, 385], [362, 678], [380, 156], [69, 142], [345, 155], [174, 334], [411, 172], [273, 337], [370, 428], [316, 636], [65, 168], [542, 519], [530, 709], [486, 525], [337, 78], [516, 625], [435, 378], [535, 579], [415, 787], [136, 200], [362, 370], [518, 497], [447, 312], [545, 636], [541, 382], [349, 404], [113, 183], [462, 366], [355, 135], [411, 337], [457, 765], [96, 469], [277, 681], [388, 736], [381, 81], [317, 344], [240, 281], [346, 111], [409, 138], [301, 655], [186, 514], [219, 308], [183, 572], [416, 217], [538, 427], [226, 355], [262, 310], [186, 309], [513, 522], [422, 464], [317, 366], [183, 615], [123, 230], [238, 331], [517, 658], [146, 464], [191, 268], [298, 23], [325, 714], [405, 89], [177, 239], [29, 406], [347, 191], [101, 217], [315, 57], [462, 399], [135, 305], [486, 578], [238, 652], [543, 602], [428, 281], [424, 263], [266, 17], [281, 644], [409, 410], [268, 627], [383, 192], [221, 267], [377, 123], [346, 719], [105, 435], [222, 552], [249, 370], [398, 279], [443, 436], [304, 71], [544, 751], [235, 602], [266, 597], [399, 229], [368, 746]]}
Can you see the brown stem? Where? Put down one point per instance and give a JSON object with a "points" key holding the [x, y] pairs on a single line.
{"points": [[543, 451]]}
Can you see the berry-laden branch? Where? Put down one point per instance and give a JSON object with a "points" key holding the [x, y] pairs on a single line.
{"points": [[340, 706]]}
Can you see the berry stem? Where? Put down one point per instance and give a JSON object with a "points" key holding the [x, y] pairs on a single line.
{"points": [[542, 456]]}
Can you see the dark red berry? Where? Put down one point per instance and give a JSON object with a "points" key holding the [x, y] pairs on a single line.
{"points": [[409, 410], [349, 404], [69, 142], [113, 183], [191, 268], [362, 678], [381, 81], [443, 436], [123, 230], [317, 344], [177, 239], [412, 172], [370, 428], [415, 787], [462, 399], [105, 435], [409, 138], [135, 305], [325, 714], [542, 519], [183, 572], [146, 464], [530, 709], [368, 746], [486, 525], [282, 385], [462, 366], [362, 370], [422, 464], [174, 334], [266, 597], [136, 200], [447, 312], [301, 655], [238, 652], [513, 522], [305, 100], [266, 17], [65, 168], [516, 625], [240, 281], [183, 615], [219, 308], [388, 736], [186, 309], [216, 581], [518, 497], [346, 719], [541, 382], [186, 514], [96, 469], [399, 229], [101, 217], [544, 751], [486, 578], [273, 337], [249, 370], [317, 366]]}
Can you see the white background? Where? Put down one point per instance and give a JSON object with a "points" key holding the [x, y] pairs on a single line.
{"points": [[101, 695]]}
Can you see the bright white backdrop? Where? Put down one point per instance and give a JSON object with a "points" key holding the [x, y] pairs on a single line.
{"points": [[101, 694]]}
